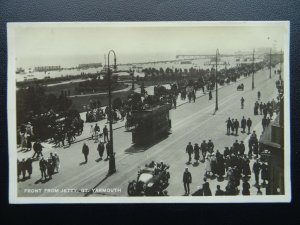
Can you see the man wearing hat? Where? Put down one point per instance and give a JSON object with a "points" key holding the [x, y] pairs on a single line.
{"points": [[85, 152], [189, 151], [203, 148], [29, 129], [43, 167], [256, 169], [210, 146], [187, 180], [249, 124], [226, 152], [242, 148], [100, 149], [38, 148], [243, 124]]}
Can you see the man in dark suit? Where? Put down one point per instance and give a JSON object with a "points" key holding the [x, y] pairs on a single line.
{"points": [[189, 150], [85, 152], [187, 180], [43, 167], [243, 124], [100, 149], [256, 170], [236, 126], [105, 134], [210, 146], [249, 124], [229, 124], [203, 148]]}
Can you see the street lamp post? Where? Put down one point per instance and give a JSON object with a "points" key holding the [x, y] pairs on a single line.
{"points": [[281, 62], [216, 79], [270, 62], [132, 77], [112, 166], [253, 69]]}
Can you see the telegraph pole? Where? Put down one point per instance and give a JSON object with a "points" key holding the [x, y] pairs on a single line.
{"points": [[112, 164], [132, 79], [281, 62], [216, 79], [253, 69], [270, 62]]}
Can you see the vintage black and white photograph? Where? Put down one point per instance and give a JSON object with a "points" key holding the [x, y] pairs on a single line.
{"points": [[142, 112]]}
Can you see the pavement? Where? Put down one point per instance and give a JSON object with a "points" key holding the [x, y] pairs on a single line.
{"points": [[191, 122]]}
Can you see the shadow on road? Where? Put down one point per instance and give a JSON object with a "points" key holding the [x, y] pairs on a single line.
{"points": [[195, 164], [91, 190], [98, 160], [141, 148], [43, 181]]}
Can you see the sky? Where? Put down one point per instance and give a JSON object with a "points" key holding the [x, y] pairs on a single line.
{"points": [[69, 44]]}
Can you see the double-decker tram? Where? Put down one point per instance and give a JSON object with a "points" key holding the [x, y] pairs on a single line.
{"points": [[151, 124]]}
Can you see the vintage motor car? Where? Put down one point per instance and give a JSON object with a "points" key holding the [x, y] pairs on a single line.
{"points": [[152, 180]]}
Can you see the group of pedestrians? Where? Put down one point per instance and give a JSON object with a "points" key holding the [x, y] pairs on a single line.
{"points": [[233, 126], [265, 108], [100, 148], [204, 148], [24, 167], [234, 164], [49, 166], [95, 133], [260, 168]]}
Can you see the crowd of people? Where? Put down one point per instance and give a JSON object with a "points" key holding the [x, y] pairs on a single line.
{"points": [[50, 126], [95, 133], [233, 165], [47, 167], [94, 115], [267, 110]]}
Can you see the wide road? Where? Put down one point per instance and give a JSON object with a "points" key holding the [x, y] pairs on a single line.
{"points": [[192, 122]]}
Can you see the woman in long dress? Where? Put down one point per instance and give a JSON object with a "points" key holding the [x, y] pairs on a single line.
{"points": [[57, 162], [213, 163], [196, 153], [28, 142], [206, 188], [264, 172], [23, 140], [246, 167], [208, 165], [92, 132], [220, 165]]}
